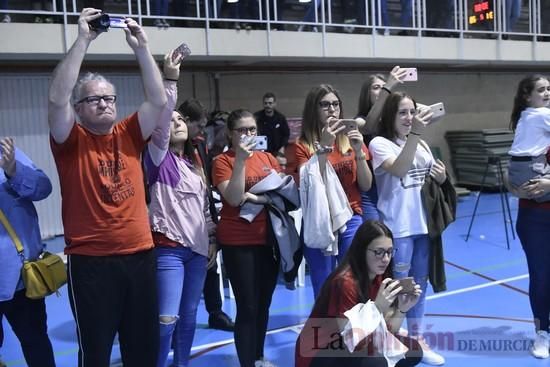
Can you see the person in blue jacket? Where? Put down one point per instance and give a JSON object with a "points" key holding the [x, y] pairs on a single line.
{"points": [[21, 183]]}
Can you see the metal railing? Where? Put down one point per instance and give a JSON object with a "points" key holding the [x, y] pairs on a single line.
{"points": [[468, 18]]}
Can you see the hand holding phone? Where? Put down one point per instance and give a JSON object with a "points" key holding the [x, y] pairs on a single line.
{"points": [[182, 50], [411, 76], [349, 124], [261, 142], [407, 284], [438, 110]]}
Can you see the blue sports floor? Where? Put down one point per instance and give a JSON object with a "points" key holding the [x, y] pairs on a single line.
{"points": [[482, 320]]}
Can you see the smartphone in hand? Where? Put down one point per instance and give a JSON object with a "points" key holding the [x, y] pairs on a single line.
{"points": [[438, 110], [411, 76], [407, 284], [261, 142], [182, 50], [349, 124]]}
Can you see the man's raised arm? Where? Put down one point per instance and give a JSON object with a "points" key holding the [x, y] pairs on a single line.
{"points": [[60, 113], [155, 96]]}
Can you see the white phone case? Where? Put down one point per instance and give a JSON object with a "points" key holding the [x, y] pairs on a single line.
{"points": [[261, 142], [438, 110], [411, 76]]}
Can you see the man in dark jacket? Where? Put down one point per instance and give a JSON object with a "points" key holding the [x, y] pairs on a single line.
{"points": [[273, 124]]}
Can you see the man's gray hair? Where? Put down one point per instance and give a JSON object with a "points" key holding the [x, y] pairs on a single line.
{"points": [[88, 77]]}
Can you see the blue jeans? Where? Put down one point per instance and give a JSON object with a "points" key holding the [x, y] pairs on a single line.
{"points": [[245, 9], [320, 266], [412, 259], [180, 279], [311, 10], [533, 231], [27, 318], [352, 9], [160, 7], [383, 13], [369, 199], [513, 11], [406, 13]]}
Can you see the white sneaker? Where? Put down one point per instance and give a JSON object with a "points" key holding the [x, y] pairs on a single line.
{"points": [[263, 363], [6, 19], [541, 345], [428, 355], [432, 358]]}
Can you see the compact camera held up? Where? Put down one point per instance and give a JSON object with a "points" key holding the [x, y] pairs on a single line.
{"points": [[104, 22]]}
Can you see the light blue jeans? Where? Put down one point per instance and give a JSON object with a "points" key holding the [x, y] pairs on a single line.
{"points": [[369, 199], [412, 260], [320, 266], [513, 11], [180, 279], [406, 13]]}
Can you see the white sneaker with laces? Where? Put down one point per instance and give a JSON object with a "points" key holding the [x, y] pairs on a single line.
{"points": [[541, 345], [6, 19]]}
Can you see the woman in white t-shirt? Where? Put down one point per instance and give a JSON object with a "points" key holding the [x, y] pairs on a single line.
{"points": [[401, 161], [530, 120]]}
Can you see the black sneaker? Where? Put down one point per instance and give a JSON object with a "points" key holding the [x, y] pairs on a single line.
{"points": [[220, 321]]}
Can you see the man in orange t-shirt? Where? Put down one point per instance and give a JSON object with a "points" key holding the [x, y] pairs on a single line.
{"points": [[111, 263]]}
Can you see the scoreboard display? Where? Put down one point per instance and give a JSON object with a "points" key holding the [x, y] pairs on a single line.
{"points": [[481, 12]]}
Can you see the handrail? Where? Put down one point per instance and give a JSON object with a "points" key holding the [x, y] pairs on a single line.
{"points": [[531, 19]]}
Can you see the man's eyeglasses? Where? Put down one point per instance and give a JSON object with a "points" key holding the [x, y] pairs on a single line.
{"points": [[380, 252], [246, 130], [94, 100], [325, 105]]}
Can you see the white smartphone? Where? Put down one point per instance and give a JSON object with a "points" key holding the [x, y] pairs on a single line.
{"points": [[261, 142], [438, 110], [411, 76]]}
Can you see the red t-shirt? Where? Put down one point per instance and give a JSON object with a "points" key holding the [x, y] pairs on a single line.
{"points": [[344, 165], [322, 327], [103, 196], [233, 230]]}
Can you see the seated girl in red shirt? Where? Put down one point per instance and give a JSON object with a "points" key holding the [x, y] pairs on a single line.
{"points": [[364, 274]]}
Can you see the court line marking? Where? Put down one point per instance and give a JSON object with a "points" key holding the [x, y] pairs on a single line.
{"points": [[480, 286], [493, 280]]}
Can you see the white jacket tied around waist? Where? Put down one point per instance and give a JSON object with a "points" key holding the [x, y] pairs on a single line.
{"points": [[325, 207]]}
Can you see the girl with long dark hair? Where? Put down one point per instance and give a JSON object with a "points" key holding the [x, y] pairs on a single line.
{"points": [[364, 274]]}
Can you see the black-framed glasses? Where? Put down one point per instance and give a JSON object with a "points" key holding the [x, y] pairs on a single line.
{"points": [[325, 105], [380, 252], [246, 130], [94, 100]]}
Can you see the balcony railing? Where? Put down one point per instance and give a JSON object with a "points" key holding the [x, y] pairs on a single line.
{"points": [[458, 18]]}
